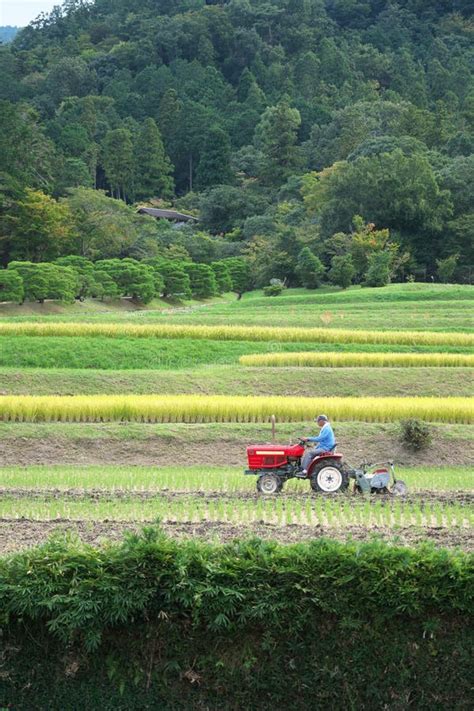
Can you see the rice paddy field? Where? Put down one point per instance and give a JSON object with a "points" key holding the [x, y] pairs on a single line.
{"points": [[114, 416]]}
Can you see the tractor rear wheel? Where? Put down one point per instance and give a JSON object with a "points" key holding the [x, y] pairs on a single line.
{"points": [[269, 484], [329, 477]]}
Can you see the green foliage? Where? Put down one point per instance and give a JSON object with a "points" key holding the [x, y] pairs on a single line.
{"points": [[214, 164], [222, 276], [132, 278], [375, 98], [379, 267], [38, 228], [415, 434], [104, 228], [117, 151], [225, 207], [275, 137], [342, 271], [446, 267], [46, 281], [240, 274], [202, 280], [310, 269], [27, 155], [391, 190], [11, 286], [103, 286], [274, 289], [176, 282], [121, 591], [85, 274], [203, 603], [153, 170]]}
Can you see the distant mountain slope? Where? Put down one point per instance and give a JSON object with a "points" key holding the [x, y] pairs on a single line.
{"points": [[8, 34]]}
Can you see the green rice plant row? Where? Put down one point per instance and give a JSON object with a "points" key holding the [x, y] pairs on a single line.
{"points": [[227, 480], [224, 408], [235, 333], [362, 360]]}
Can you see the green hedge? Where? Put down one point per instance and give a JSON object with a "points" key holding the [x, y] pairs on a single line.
{"points": [[160, 624]]}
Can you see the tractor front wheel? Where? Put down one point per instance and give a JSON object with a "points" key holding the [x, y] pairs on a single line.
{"points": [[329, 478], [269, 484]]}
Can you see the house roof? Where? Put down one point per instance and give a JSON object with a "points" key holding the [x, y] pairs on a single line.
{"points": [[166, 214]]}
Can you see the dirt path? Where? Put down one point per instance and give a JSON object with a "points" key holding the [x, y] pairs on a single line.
{"points": [[23, 533], [156, 451]]}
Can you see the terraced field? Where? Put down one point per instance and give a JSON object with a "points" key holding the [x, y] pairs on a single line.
{"points": [[106, 427]]}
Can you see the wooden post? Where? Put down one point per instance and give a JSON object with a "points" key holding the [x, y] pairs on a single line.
{"points": [[273, 427]]}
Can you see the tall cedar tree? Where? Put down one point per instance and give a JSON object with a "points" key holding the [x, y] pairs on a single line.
{"points": [[275, 137], [214, 164], [153, 169], [117, 159]]}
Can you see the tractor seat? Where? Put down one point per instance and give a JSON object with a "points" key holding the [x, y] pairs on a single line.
{"points": [[330, 451]]}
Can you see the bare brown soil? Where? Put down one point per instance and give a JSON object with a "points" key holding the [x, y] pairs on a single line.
{"points": [[420, 498], [19, 534], [156, 451]]}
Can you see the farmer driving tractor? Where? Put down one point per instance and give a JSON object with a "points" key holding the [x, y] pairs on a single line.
{"points": [[315, 459], [325, 442]]}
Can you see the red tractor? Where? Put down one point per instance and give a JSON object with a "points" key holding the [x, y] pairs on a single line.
{"points": [[274, 464]]}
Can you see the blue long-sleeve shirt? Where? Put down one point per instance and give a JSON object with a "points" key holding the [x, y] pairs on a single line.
{"points": [[325, 440]]}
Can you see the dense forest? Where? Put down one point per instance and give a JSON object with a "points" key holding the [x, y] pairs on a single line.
{"points": [[314, 139]]}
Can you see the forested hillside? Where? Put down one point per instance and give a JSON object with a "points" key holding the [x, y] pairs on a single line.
{"points": [[332, 133]]}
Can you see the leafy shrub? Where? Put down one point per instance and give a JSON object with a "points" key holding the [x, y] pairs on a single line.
{"points": [[415, 434], [249, 617], [379, 267], [446, 267], [275, 288], [342, 270]]}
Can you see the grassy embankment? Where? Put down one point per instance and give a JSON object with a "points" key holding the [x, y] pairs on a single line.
{"points": [[439, 307], [227, 379]]}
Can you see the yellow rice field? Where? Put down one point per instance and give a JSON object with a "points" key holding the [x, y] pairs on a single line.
{"points": [[236, 333], [222, 408], [363, 360]]}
